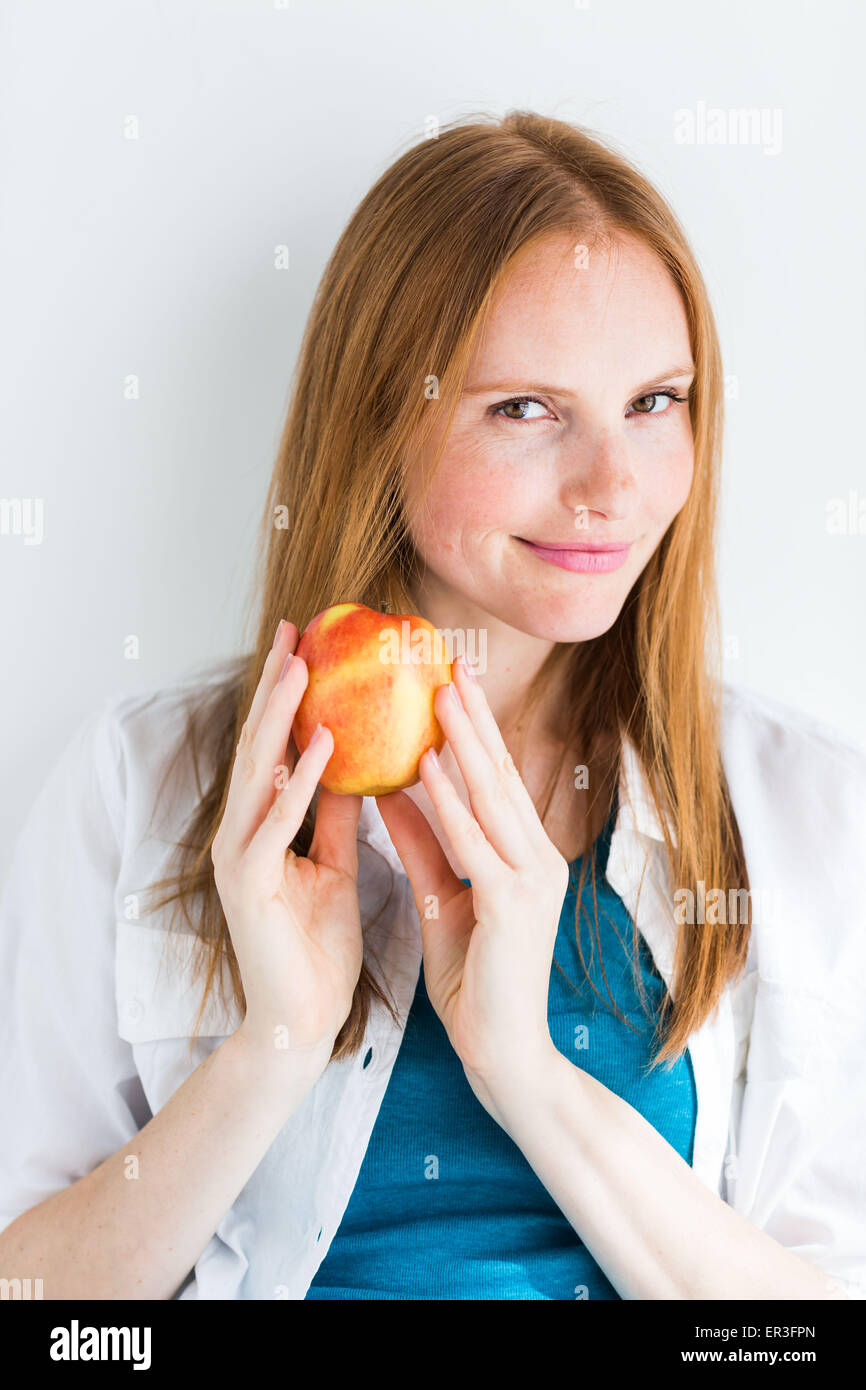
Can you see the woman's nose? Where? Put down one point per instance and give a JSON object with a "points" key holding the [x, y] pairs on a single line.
{"points": [[600, 478]]}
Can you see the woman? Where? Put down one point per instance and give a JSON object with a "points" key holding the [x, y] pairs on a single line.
{"points": [[398, 1061]]}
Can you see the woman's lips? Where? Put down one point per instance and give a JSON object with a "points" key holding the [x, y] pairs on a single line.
{"points": [[581, 559]]}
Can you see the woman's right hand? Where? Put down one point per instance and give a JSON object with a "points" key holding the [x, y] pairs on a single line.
{"points": [[295, 922]]}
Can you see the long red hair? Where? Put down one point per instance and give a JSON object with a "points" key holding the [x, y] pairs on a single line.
{"points": [[404, 294]]}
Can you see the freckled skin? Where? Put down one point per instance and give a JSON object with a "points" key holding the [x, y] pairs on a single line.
{"points": [[602, 332]]}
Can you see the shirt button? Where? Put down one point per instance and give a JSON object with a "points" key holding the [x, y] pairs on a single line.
{"points": [[133, 1010]]}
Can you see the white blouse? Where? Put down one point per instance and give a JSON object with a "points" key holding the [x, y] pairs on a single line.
{"points": [[95, 1024]]}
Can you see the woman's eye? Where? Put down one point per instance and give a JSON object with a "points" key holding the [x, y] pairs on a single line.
{"points": [[520, 403], [518, 407], [668, 396]]}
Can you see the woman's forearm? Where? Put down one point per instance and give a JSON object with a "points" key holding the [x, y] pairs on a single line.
{"points": [[650, 1223], [135, 1229]]}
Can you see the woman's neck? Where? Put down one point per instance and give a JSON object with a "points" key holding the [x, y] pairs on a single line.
{"points": [[507, 663], [505, 660]]}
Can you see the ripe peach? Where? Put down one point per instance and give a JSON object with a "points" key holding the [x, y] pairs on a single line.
{"points": [[372, 677]]}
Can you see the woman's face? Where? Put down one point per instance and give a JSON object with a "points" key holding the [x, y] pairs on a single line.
{"points": [[527, 492]]}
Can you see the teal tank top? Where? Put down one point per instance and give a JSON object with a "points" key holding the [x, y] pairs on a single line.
{"points": [[445, 1205]]}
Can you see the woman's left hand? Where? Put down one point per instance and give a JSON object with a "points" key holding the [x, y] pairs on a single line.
{"points": [[488, 948]]}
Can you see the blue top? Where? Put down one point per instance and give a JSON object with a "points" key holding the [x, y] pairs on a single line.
{"points": [[445, 1205]]}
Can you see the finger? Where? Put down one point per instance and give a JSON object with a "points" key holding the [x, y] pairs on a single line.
{"points": [[491, 804], [335, 838], [264, 858], [475, 704], [285, 641], [260, 763], [483, 865], [422, 856]]}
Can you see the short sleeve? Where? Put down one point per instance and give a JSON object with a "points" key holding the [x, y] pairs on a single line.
{"points": [[70, 1094]]}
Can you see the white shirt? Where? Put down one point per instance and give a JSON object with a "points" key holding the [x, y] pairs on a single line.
{"points": [[94, 1035]]}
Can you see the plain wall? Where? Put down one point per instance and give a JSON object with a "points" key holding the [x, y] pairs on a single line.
{"points": [[262, 125]]}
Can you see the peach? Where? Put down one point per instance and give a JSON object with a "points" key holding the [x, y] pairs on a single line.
{"points": [[372, 677]]}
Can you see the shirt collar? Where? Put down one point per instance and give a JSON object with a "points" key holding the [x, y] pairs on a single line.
{"points": [[636, 837], [637, 810]]}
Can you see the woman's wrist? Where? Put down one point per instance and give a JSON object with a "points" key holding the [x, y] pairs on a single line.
{"points": [[265, 1062]]}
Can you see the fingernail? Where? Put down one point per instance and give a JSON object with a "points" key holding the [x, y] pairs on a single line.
{"points": [[434, 758], [279, 632], [468, 669], [454, 697], [286, 664]]}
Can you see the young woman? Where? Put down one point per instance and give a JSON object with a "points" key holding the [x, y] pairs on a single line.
{"points": [[579, 1015]]}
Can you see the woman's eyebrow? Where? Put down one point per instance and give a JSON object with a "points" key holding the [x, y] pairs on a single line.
{"points": [[482, 389]]}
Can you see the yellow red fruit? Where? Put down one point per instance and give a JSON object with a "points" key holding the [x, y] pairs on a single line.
{"points": [[372, 678]]}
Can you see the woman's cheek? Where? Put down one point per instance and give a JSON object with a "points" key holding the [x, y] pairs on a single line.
{"points": [[471, 494], [447, 528], [667, 489]]}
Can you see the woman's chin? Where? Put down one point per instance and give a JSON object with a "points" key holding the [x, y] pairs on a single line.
{"points": [[584, 632], [564, 623]]}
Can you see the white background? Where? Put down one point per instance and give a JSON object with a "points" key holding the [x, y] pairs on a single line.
{"points": [[263, 125]]}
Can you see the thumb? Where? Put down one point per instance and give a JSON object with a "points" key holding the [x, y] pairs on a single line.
{"points": [[335, 838], [420, 852]]}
